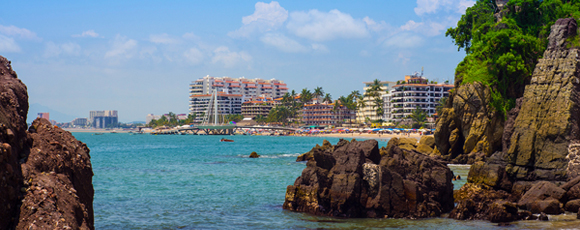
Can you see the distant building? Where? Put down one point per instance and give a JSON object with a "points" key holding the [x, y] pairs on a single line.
{"points": [[79, 122], [151, 117], [103, 119], [255, 108], [369, 110], [44, 115], [412, 93], [326, 114], [250, 89], [227, 104]]}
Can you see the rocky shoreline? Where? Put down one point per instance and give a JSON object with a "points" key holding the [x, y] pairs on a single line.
{"points": [[46, 173], [523, 165]]}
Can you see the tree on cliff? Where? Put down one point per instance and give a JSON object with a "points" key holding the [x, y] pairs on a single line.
{"points": [[503, 45]]}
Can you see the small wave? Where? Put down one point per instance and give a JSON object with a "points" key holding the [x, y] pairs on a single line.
{"points": [[459, 165], [276, 156]]}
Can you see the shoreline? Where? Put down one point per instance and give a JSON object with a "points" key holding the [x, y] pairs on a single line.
{"points": [[367, 136]]}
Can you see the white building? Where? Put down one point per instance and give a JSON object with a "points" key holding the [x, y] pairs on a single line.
{"points": [[250, 89], [227, 104], [415, 91], [369, 111]]}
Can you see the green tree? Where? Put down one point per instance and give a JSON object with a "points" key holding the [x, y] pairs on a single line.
{"points": [[305, 96], [318, 92], [419, 116], [503, 54], [327, 98]]}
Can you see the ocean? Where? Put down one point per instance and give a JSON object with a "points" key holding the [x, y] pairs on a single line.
{"points": [[196, 182]]}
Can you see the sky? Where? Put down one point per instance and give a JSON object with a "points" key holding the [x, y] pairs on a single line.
{"points": [[139, 57]]}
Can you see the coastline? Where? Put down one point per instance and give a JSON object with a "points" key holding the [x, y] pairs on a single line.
{"points": [[384, 137]]}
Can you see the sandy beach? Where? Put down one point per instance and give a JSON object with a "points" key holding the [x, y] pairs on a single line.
{"points": [[349, 136]]}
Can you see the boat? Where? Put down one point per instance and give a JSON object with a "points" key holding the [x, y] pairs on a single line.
{"points": [[98, 133], [226, 140]]}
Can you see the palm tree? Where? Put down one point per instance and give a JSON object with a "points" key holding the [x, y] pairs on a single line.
{"points": [[305, 96], [419, 116], [318, 92], [327, 98], [378, 106]]}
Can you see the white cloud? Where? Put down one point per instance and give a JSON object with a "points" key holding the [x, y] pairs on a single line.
{"points": [[88, 33], [55, 50], [190, 35], [319, 47], [429, 28], [322, 26], [376, 27], [163, 39], [364, 53], [403, 58], [433, 6], [122, 47], [8, 45], [463, 5], [229, 58], [193, 56], [283, 43], [403, 40], [266, 17], [20, 32]]}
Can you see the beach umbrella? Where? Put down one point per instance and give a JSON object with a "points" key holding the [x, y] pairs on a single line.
{"points": [[375, 130]]}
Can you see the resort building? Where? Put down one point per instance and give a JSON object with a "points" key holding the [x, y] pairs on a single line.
{"points": [[250, 89], [415, 91], [227, 104], [79, 122], [326, 114], [103, 119], [259, 107], [369, 111]]}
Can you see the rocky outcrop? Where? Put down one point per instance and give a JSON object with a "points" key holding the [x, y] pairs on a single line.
{"points": [[308, 155], [540, 142], [14, 142], [548, 121], [46, 173], [469, 128], [351, 179]]}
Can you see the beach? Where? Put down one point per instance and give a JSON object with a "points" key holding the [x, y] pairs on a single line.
{"points": [[376, 136]]}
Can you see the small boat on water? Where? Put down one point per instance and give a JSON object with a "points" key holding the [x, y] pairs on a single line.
{"points": [[226, 140], [98, 133]]}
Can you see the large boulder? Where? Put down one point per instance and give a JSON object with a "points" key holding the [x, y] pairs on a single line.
{"points": [[548, 121], [476, 202], [544, 197], [46, 173], [353, 180]]}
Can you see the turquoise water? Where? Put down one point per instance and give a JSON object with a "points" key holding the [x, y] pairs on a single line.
{"points": [[197, 182]]}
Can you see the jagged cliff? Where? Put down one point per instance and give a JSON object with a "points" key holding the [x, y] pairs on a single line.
{"points": [[548, 121], [537, 168], [46, 173]]}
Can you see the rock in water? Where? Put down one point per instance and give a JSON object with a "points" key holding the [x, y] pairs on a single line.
{"points": [[308, 155], [548, 121], [353, 180], [254, 155], [46, 173]]}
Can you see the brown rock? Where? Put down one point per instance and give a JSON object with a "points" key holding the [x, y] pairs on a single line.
{"points": [[44, 185], [308, 155], [544, 196], [503, 211], [254, 155], [349, 182], [547, 124], [475, 202], [572, 205], [428, 141]]}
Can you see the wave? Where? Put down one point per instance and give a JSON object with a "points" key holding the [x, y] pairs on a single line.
{"points": [[285, 155]]}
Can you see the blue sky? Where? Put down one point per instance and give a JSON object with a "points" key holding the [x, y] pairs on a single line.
{"points": [[138, 57]]}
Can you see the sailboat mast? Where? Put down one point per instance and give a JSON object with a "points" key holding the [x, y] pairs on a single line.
{"points": [[215, 108]]}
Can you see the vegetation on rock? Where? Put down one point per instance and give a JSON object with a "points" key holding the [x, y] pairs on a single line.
{"points": [[503, 45]]}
